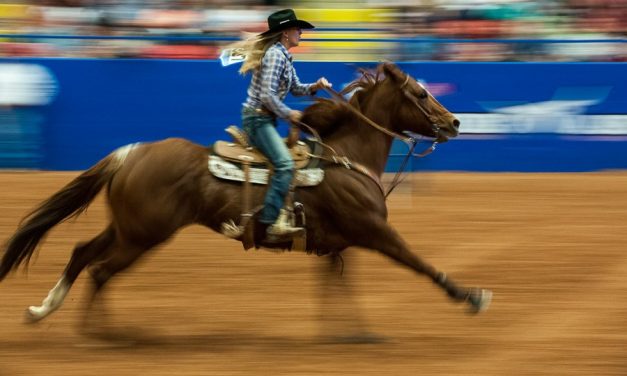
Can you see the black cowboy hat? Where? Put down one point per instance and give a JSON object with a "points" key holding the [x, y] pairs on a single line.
{"points": [[284, 19]]}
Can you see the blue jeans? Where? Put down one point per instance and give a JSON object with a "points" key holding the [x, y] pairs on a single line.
{"points": [[261, 130]]}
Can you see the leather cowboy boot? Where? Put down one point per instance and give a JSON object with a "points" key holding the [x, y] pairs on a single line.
{"points": [[282, 227]]}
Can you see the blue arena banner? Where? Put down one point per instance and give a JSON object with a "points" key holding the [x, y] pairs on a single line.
{"points": [[515, 116]]}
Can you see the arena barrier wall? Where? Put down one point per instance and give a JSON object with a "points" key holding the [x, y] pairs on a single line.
{"points": [[65, 114]]}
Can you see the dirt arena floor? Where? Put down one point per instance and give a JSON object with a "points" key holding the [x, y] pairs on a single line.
{"points": [[552, 247]]}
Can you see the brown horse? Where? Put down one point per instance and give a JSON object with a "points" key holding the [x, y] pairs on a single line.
{"points": [[155, 189]]}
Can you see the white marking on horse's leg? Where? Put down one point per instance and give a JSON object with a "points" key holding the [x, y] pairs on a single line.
{"points": [[52, 302]]}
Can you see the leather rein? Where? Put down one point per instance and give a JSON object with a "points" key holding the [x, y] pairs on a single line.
{"points": [[410, 139]]}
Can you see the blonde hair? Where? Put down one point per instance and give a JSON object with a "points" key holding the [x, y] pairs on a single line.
{"points": [[253, 49]]}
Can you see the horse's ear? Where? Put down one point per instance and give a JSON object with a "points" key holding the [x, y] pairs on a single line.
{"points": [[391, 70], [387, 64]]}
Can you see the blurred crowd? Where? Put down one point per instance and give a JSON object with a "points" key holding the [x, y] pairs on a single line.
{"points": [[417, 30]]}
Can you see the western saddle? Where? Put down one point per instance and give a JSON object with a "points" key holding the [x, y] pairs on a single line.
{"points": [[241, 152]]}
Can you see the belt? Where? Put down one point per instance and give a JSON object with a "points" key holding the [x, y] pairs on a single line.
{"points": [[259, 111]]}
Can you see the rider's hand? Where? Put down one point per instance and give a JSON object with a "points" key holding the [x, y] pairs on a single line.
{"points": [[295, 116], [322, 83]]}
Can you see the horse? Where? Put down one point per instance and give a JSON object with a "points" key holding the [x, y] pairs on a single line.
{"points": [[154, 189]]}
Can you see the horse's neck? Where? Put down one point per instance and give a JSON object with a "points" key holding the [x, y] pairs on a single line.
{"points": [[362, 143]]}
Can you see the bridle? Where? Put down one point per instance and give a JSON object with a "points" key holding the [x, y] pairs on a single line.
{"points": [[410, 139], [416, 102]]}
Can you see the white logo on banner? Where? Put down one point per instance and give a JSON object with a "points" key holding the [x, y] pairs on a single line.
{"points": [[26, 85], [556, 116]]}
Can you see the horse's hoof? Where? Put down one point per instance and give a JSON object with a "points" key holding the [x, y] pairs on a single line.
{"points": [[479, 300], [31, 315]]}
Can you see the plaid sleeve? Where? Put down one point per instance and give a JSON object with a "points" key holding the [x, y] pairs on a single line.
{"points": [[298, 88], [272, 65]]}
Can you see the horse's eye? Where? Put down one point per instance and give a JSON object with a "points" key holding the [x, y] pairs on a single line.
{"points": [[424, 94]]}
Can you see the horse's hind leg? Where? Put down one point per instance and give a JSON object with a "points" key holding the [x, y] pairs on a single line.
{"points": [[83, 254], [386, 240], [119, 258]]}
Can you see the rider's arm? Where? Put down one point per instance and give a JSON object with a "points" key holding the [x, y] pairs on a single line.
{"points": [[298, 88]]}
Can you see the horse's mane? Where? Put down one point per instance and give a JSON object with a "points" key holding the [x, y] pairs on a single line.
{"points": [[326, 115]]}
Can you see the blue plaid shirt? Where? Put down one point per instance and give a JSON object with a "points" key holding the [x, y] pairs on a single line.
{"points": [[272, 81]]}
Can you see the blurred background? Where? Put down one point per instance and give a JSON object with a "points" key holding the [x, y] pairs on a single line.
{"points": [[539, 81], [408, 30]]}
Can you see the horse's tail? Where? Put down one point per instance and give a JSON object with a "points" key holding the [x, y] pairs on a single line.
{"points": [[69, 202]]}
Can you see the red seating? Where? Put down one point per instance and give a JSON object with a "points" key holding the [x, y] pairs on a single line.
{"points": [[180, 52]]}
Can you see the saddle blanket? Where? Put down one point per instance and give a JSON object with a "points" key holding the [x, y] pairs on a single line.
{"points": [[220, 168]]}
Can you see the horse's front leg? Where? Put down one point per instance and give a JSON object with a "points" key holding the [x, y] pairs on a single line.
{"points": [[379, 235]]}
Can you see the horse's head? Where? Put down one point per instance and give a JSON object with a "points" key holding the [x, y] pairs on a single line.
{"points": [[415, 109]]}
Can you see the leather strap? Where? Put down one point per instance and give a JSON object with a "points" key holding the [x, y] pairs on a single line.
{"points": [[355, 166]]}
